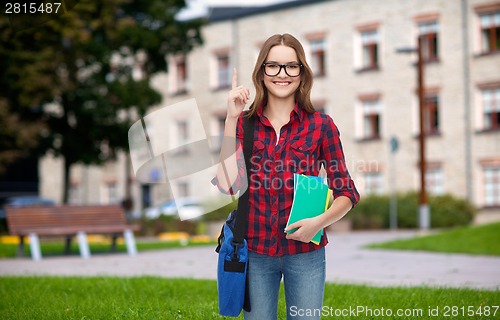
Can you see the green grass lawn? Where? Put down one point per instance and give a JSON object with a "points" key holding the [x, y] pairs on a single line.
{"points": [[480, 240], [159, 298], [53, 248]]}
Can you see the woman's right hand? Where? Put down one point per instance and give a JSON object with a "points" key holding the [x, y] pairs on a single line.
{"points": [[237, 98]]}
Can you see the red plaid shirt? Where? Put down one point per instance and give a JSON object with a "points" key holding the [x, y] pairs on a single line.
{"points": [[306, 143]]}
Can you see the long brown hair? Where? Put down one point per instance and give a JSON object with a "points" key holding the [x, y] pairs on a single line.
{"points": [[303, 93]]}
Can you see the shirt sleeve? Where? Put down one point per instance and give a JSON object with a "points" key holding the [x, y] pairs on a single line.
{"points": [[339, 179], [241, 181]]}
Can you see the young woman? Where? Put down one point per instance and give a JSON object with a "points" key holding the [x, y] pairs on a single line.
{"points": [[289, 137]]}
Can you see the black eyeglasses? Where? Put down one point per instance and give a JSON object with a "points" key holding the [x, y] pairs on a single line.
{"points": [[272, 69]]}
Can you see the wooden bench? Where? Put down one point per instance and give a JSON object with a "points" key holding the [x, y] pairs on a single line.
{"points": [[69, 221]]}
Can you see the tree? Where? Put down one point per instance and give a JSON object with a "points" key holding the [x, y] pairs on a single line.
{"points": [[94, 63], [26, 83]]}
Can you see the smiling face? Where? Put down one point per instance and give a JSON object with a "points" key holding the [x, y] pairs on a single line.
{"points": [[282, 86], [283, 48]]}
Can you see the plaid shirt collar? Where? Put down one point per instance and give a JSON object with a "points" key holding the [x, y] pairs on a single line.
{"points": [[297, 111]]}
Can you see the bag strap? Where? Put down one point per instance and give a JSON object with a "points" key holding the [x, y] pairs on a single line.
{"points": [[240, 226]]}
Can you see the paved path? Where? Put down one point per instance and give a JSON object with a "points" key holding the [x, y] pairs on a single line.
{"points": [[347, 262]]}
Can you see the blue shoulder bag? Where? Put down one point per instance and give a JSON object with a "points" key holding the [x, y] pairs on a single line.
{"points": [[232, 246]]}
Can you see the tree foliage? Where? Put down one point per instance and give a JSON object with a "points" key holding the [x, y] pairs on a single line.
{"points": [[70, 85]]}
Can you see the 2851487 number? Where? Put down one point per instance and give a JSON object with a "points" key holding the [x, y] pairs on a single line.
{"points": [[27, 8]]}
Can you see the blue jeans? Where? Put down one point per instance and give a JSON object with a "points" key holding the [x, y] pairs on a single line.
{"points": [[304, 280]]}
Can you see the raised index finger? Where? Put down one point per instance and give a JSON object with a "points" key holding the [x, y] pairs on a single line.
{"points": [[235, 79]]}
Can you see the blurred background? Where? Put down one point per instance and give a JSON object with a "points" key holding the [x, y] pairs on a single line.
{"points": [[73, 83]]}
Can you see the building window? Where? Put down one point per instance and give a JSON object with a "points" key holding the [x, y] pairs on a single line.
{"points": [[182, 136], [182, 130], [178, 75], [182, 189], [492, 186], [374, 183], [74, 196], [490, 99], [318, 49], [434, 180], [320, 105], [428, 31], [490, 31], [111, 192], [371, 110], [181, 76], [320, 108], [431, 114], [223, 72], [370, 49], [146, 196], [218, 129]]}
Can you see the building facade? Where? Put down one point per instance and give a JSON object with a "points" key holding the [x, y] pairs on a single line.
{"points": [[363, 81]]}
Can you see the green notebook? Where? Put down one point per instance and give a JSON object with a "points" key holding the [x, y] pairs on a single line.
{"points": [[310, 199]]}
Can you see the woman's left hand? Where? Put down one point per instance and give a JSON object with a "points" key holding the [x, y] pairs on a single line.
{"points": [[306, 230]]}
